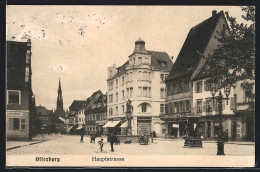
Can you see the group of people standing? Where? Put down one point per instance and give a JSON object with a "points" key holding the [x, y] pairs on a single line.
{"points": [[111, 138]]}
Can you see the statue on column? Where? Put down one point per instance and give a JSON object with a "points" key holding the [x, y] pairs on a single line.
{"points": [[129, 107]]}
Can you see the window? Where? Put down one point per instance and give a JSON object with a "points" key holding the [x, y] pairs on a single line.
{"points": [[110, 111], [162, 77], [149, 92], [14, 97], [166, 108], [26, 74], [145, 75], [139, 60], [199, 105], [176, 107], [123, 109], [161, 108], [131, 92], [145, 91], [140, 75], [181, 86], [127, 77], [209, 105], [123, 80], [186, 86], [144, 105], [140, 91], [162, 93], [116, 97], [187, 105], [116, 110], [150, 76], [175, 89], [116, 83], [181, 107], [110, 85], [198, 87], [134, 60], [130, 76], [110, 98], [207, 85], [123, 94], [14, 124]]}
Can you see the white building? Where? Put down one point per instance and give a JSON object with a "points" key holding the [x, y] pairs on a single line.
{"points": [[140, 79]]}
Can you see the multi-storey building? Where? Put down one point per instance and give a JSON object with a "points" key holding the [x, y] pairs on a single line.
{"points": [[45, 116], [96, 116], [140, 79], [20, 101], [76, 115], [185, 82]]}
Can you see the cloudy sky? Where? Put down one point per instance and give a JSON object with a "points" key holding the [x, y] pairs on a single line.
{"points": [[78, 43]]}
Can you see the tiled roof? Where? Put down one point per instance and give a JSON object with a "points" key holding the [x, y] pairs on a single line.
{"points": [[77, 105], [193, 47], [97, 110]]}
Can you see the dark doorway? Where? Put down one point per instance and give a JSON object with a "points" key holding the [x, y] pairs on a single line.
{"points": [[250, 132], [233, 130]]}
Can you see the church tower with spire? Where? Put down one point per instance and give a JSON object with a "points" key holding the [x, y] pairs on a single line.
{"points": [[59, 112]]}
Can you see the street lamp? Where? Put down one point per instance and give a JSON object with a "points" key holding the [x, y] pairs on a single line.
{"points": [[214, 88]]}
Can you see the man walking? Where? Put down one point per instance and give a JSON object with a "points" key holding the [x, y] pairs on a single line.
{"points": [[112, 141], [81, 136]]}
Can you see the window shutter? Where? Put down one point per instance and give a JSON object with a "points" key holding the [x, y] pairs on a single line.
{"points": [[223, 104], [232, 103], [204, 106], [196, 87]]}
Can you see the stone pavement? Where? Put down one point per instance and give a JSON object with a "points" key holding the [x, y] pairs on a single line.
{"points": [[35, 140]]}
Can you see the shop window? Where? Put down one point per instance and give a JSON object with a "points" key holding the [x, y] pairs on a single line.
{"points": [[14, 124], [14, 97]]}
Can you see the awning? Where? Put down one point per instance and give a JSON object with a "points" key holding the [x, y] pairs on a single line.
{"points": [[79, 128], [111, 124], [124, 125], [70, 127]]}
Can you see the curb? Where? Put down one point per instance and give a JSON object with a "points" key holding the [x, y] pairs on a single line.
{"points": [[15, 147]]}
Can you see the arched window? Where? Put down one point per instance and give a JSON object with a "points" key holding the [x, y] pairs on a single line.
{"points": [[139, 60], [145, 75], [144, 107]]}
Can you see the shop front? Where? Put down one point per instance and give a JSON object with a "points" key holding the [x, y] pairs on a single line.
{"points": [[143, 125]]}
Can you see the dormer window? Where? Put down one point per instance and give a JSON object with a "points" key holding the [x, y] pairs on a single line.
{"points": [[162, 63]]}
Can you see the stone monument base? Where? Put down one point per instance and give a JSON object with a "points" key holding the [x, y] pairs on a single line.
{"points": [[193, 142]]}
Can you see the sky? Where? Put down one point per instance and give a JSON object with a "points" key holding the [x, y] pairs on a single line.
{"points": [[78, 43]]}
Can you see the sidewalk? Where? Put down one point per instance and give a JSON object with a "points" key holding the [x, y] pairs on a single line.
{"points": [[35, 140], [207, 141]]}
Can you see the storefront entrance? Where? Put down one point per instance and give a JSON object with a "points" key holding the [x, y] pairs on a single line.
{"points": [[143, 125]]}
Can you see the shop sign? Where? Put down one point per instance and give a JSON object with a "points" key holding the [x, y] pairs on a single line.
{"points": [[14, 113], [175, 125], [143, 129]]}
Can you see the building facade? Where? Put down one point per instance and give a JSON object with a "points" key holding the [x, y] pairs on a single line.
{"points": [[185, 97], [140, 80], [20, 101], [96, 116]]}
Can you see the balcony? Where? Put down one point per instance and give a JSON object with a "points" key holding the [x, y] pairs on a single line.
{"points": [[245, 106]]}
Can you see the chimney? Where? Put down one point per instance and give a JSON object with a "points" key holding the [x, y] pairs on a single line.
{"points": [[214, 12]]}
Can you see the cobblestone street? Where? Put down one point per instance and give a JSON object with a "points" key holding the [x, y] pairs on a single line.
{"points": [[70, 145]]}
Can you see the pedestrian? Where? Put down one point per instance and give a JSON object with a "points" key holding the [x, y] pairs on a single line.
{"points": [[151, 136], [93, 137], [81, 136], [112, 141], [101, 144]]}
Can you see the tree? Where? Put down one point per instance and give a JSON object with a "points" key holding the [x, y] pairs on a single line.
{"points": [[234, 59]]}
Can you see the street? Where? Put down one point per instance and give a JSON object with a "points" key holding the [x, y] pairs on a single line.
{"points": [[70, 145]]}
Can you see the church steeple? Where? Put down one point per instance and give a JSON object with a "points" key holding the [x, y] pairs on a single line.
{"points": [[59, 99]]}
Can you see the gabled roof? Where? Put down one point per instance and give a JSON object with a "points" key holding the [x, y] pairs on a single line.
{"points": [[77, 105], [194, 45]]}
